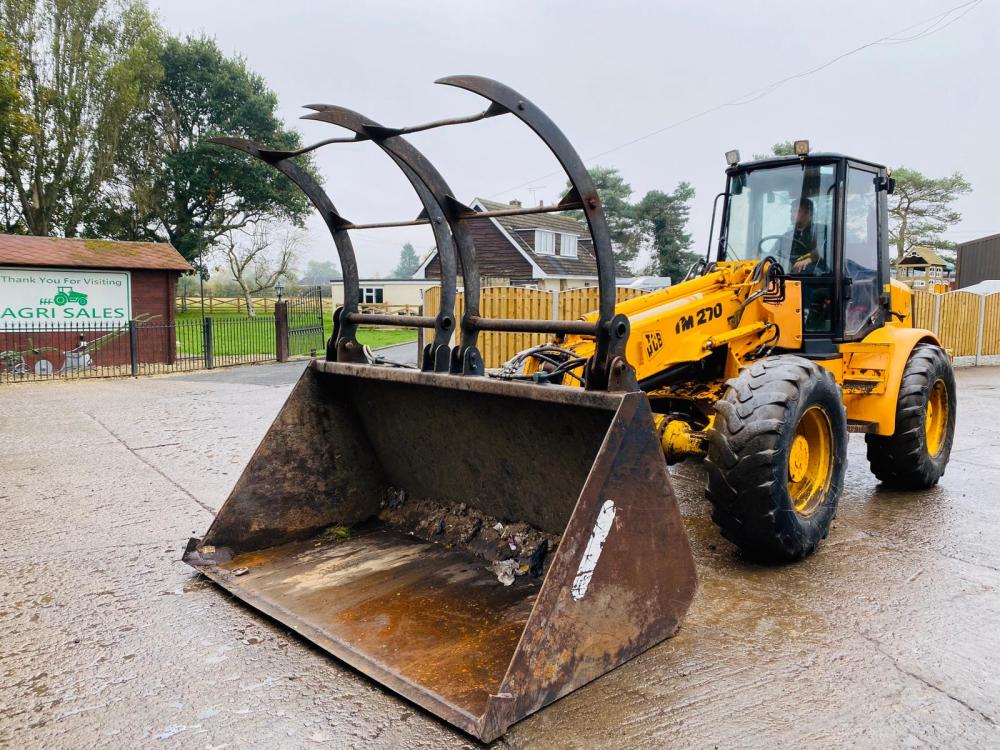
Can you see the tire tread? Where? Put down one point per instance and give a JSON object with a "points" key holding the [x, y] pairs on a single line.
{"points": [[749, 501], [901, 460]]}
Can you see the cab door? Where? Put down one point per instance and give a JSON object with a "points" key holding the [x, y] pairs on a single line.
{"points": [[861, 272]]}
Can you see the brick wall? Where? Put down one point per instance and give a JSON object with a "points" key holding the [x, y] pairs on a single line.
{"points": [[154, 293]]}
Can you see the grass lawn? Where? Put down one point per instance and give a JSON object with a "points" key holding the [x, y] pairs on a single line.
{"points": [[379, 337], [237, 334]]}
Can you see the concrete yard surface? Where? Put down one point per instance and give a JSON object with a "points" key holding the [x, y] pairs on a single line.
{"points": [[887, 637]]}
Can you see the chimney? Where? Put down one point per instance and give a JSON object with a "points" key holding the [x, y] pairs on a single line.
{"points": [[515, 203]]}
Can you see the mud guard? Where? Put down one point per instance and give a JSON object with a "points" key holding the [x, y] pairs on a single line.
{"points": [[879, 409]]}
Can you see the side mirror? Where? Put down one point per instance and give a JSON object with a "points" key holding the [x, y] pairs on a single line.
{"points": [[888, 184]]}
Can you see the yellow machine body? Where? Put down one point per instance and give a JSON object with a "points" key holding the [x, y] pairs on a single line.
{"points": [[726, 313]]}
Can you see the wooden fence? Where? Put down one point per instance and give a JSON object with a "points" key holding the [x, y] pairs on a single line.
{"points": [[573, 303], [265, 306], [234, 305], [386, 309], [968, 324], [522, 303]]}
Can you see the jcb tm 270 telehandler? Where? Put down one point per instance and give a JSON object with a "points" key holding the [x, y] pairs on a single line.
{"points": [[485, 543]]}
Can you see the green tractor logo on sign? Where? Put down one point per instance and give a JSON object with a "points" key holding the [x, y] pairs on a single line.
{"points": [[64, 295]]}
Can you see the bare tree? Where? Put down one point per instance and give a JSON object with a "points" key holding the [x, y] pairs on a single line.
{"points": [[256, 261]]}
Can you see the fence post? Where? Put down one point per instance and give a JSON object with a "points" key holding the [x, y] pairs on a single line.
{"points": [[982, 325], [555, 304], [133, 345], [207, 344], [937, 315], [281, 330], [420, 337]]}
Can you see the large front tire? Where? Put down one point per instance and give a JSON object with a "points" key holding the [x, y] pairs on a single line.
{"points": [[916, 455], [776, 458]]}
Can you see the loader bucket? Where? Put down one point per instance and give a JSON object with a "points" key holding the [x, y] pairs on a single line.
{"points": [[384, 506], [481, 547]]}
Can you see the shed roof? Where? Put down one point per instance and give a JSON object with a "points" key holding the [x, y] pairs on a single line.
{"points": [[23, 250], [920, 256], [985, 287]]}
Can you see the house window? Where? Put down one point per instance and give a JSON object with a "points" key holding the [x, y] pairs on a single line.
{"points": [[370, 295], [545, 242], [567, 245]]}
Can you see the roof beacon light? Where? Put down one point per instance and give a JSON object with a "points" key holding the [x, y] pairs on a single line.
{"points": [[802, 148], [732, 157]]}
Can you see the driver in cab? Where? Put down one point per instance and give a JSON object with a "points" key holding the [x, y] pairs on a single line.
{"points": [[806, 245], [801, 240]]}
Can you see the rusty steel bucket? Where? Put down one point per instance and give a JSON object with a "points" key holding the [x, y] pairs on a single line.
{"points": [[365, 522], [480, 546]]}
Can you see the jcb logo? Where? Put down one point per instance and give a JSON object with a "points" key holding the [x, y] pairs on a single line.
{"points": [[654, 342]]}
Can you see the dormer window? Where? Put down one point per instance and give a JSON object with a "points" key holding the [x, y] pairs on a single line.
{"points": [[545, 242], [567, 245]]}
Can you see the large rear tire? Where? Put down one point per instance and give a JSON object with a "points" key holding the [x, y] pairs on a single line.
{"points": [[916, 455], [776, 458]]}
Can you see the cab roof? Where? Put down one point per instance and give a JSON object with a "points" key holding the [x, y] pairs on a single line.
{"points": [[815, 156]]}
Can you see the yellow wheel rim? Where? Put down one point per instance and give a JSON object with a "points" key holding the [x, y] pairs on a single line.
{"points": [[798, 459], [936, 419], [810, 460]]}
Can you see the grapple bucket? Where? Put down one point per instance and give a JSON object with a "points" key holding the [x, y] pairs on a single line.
{"points": [[480, 546], [384, 506]]}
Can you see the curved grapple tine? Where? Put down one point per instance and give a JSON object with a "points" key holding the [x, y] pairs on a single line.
{"points": [[467, 358], [343, 344], [610, 342]]}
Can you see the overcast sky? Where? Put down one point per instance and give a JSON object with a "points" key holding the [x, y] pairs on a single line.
{"points": [[609, 73]]}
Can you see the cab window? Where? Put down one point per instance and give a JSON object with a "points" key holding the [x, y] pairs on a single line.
{"points": [[861, 290], [784, 212]]}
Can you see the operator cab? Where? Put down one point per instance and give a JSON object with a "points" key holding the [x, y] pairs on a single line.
{"points": [[823, 218]]}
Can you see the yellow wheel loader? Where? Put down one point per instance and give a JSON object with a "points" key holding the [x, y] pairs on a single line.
{"points": [[791, 337], [485, 543]]}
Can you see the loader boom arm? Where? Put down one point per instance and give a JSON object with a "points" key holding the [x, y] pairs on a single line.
{"points": [[724, 310]]}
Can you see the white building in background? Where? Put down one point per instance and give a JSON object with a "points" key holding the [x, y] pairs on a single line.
{"points": [[395, 293]]}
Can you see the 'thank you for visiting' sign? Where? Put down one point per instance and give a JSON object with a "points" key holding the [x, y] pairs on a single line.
{"points": [[39, 296]]}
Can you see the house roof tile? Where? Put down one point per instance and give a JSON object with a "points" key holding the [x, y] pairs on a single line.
{"points": [[585, 264], [518, 227], [553, 222]]}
